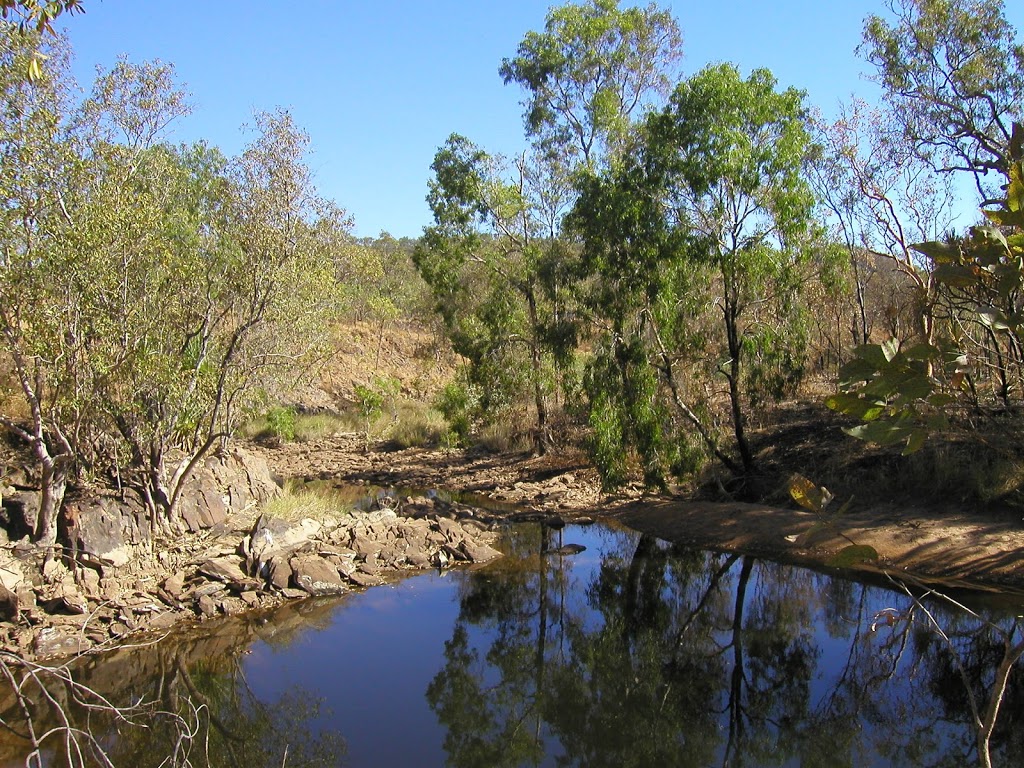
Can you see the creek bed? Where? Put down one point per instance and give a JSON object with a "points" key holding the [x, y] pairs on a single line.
{"points": [[629, 652]]}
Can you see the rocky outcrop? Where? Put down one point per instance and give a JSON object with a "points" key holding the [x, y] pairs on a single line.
{"points": [[247, 561]]}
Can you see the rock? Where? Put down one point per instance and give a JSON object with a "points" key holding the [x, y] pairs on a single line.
{"points": [[369, 567], [163, 621], [366, 547], [250, 598], [100, 533], [568, 549], [231, 606], [417, 559], [207, 605], [174, 584], [210, 588], [279, 573], [364, 579], [274, 536], [12, 575], [89, 580], [8, 604], [72, 600], [293, 594], [227, 569], [479, 552], [59, 641], [54, 571], [316, 576]]}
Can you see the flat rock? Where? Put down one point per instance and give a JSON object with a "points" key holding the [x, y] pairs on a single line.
{"points": [[362, 579], [59, 641], [207, 605], [316, 576], [479, 552], [227, 569], [174, 584]]}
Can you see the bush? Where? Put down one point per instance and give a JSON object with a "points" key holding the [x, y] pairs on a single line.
{"points": [[281, 423], [459, 403]]}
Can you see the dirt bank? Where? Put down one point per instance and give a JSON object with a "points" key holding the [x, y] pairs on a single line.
{"points": [[956, 547]]}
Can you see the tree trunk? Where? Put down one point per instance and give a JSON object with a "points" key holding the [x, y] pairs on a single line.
{"points": [[541, 439], [54, 480], [733, 376]]}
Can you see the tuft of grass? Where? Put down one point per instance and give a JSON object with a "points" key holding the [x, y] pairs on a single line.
{"points": [[285, 425], [314, 426], [504, 437], [418, 426], [298, 501]]}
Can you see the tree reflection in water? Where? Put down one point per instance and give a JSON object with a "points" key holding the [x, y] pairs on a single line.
{"points": [[188, 701], [656, 655]]}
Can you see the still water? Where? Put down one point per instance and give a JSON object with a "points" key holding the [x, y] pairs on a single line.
{"points": [[631, 653]]}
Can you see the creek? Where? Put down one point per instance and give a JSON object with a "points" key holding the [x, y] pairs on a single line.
{"points": [[632, 652]]}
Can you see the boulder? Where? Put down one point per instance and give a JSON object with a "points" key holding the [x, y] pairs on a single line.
{"points": [[479, 552], [59, 641], [273, 536], [227, 569], [100, 533], [316, 576]]}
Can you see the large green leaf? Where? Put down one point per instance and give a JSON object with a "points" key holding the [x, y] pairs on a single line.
{"points": [[881, 432], [938, 251], [956, 275], [858, 407]]}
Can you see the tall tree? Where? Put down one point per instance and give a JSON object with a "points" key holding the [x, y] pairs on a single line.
{"points": [[700, 243], [483, 259], [39, 168], [953, 75], [590, 71]]}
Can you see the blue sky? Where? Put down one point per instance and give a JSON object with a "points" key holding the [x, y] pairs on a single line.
{"points": [[380, 85]]}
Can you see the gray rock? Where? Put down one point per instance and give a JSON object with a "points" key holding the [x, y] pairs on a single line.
{"points": [[279, 573], [364, 579], [174, 584], [479, 552], [59, 641], [316, 576], [100, 534], [207, 605]]}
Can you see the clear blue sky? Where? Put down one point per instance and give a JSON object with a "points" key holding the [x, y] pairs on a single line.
{"points": [[380, 85]]}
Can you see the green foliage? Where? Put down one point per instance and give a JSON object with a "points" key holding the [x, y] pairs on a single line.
{"points": [[900, 394], [281, 421], [897, 393], [592, 67], [711, 201], [155, 294], [953, 75], [459, 403]]}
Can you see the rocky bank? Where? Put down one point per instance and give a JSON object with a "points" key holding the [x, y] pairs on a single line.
{"points": [[117, 578]]}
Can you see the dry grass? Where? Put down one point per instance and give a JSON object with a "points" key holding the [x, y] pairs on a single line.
{"points": [[298, 501]]}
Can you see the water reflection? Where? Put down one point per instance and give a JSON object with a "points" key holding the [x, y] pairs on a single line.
{"points": [[656, 655], [185, 701], [631, 653]]}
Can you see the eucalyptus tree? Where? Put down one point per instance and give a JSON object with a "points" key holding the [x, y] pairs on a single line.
{"points": [[482, 259], [229, 298], [700, 245], [38, 166], [953, 75], [591, 71], [883, 198]]}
